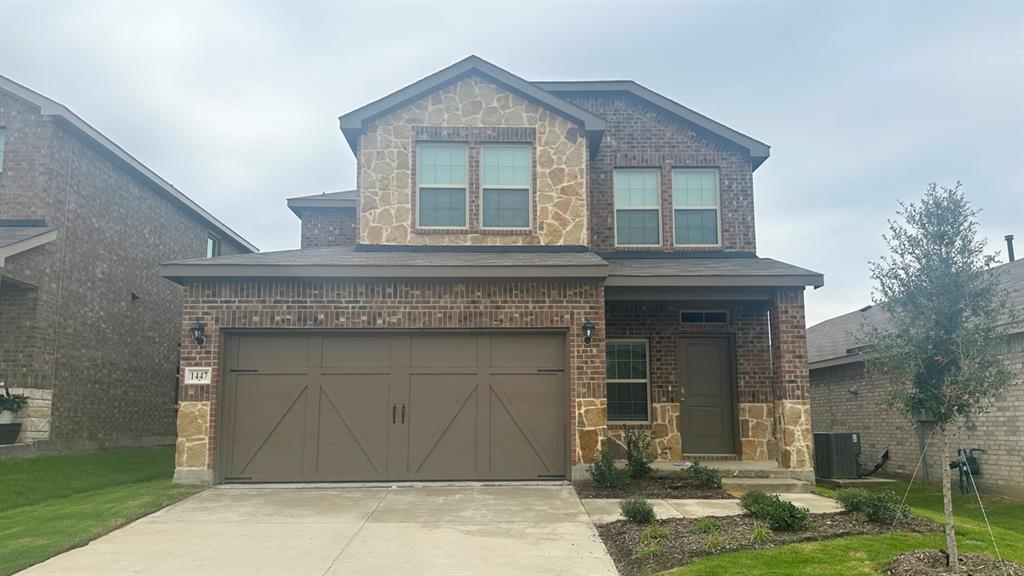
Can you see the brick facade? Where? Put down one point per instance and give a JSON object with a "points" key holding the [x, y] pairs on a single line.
{"points": [[640, 136], [328, 227], [1000, 431], [349, 305], [70, 324]]}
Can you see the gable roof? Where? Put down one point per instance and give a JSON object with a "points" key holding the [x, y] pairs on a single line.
{"points": [[108, 148], [834, 341], [354, 122], [759, 151], [339, 199]]}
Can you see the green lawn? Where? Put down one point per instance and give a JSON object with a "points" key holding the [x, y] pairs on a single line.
{"points": [[868, 554], [56, 503]]}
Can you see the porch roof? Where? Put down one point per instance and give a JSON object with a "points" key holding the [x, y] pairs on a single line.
{"points": [[15, 238], [734, 270]]}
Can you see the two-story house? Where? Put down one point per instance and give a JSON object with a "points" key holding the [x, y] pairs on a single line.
{"points": [[88, 328], [524, 270]]}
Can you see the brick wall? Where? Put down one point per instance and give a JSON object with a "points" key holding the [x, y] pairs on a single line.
{"points": [[340, 304], [1000, 432], [328, 227], [110, 360], [639, 136]]}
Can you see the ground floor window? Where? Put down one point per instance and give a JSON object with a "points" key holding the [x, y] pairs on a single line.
{"points": [[628, 380]]}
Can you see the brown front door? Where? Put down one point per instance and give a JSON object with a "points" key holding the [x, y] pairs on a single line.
{"points": [[708, 407], [423, 406]]}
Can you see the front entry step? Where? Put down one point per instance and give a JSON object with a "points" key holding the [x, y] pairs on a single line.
{"points": [[738, 486]]}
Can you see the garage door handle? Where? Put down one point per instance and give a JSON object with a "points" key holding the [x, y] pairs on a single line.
{"points": [[393, 408], [403, 413]]}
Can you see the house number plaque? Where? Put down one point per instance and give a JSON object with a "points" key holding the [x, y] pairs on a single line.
{"points": [[199, 375]]}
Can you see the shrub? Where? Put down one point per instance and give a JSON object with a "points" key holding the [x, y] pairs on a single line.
{"points": [[760, 534], [605, 473], [648, 551], [708, 525], [638, 510], [779, 514], [639, 452], [853, 499], [715, 543], [881, 507], [706, 477]]}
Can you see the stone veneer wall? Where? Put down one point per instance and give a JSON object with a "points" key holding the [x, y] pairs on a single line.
{"points": [[658, 322], [428, 304], [35, 415], [1000, 431], [328, 227], [638, 135], [476, 111]]}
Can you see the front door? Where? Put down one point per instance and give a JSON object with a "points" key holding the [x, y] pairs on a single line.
{"points": [[708, 407]]}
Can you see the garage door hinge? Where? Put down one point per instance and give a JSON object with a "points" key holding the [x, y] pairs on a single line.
{"points": [[236, 370], [550, 370]]}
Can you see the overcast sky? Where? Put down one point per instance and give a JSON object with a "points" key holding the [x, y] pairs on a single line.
{"points": [[863, 104]]}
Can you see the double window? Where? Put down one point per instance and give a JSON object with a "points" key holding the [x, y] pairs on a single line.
{"points": [[696, 212], [628, 380], [442, 175]]}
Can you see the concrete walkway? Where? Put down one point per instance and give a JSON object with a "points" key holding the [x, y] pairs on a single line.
{"points": [[603, 511], [421, 531]]}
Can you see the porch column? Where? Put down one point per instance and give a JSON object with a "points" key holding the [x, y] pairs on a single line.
{"points": [[791, 381]]}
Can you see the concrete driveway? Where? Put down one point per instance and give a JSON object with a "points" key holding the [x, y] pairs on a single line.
{"points": [[495, 530]]}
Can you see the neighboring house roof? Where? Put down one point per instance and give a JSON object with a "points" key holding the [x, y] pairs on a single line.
{"points": [[354, 122], [350, 262], [16, 237], [722, 270], [339, 199], [759, 151], [834, 341], [50, 107]]}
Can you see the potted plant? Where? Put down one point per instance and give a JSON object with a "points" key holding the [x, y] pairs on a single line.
{"points": [[9, 405]]}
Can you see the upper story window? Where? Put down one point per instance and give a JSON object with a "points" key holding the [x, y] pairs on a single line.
{"points": [[505, 186], [637, 208], [212, 246], [695, 202], [441, 186]]}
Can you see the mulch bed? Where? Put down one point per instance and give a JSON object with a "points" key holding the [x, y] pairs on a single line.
{"points": [[672, 487], [933, 563], [683, 544]]}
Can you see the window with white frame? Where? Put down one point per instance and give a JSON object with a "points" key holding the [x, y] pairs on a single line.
{"points": [[441, 185], [696, 207], [637, 208], [212, 246], [505, 186], [628, 380]]}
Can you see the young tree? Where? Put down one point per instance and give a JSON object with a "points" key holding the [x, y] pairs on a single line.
{"points": [[947, 317]]}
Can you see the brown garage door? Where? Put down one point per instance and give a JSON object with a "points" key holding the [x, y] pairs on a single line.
{"points": [[337, 407]]}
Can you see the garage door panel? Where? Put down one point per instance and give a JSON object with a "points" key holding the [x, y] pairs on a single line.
{"points": [[351, 351], [271, 350], [450, 351], [451, 447], [526, 351], [363, 390]]}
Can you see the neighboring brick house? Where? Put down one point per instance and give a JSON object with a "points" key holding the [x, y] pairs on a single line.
{"points": [[88, 328], [846, 398], [525, 270]]}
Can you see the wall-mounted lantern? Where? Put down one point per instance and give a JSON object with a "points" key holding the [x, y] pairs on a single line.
{"points": [[588, 331], [197, 333]]}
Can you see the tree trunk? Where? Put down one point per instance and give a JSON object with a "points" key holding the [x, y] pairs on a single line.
{"points": [[947, 506]]}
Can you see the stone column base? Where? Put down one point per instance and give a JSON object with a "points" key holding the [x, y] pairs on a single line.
{"points": [[35, 415], [757, 435], [199, 476], [796, 439], [591, 428], [192, 450]]}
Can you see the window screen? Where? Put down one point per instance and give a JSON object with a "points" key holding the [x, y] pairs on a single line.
{"points": [[637, 208], [441, 177], [695, 204], [627, 374], [505, 184]]}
